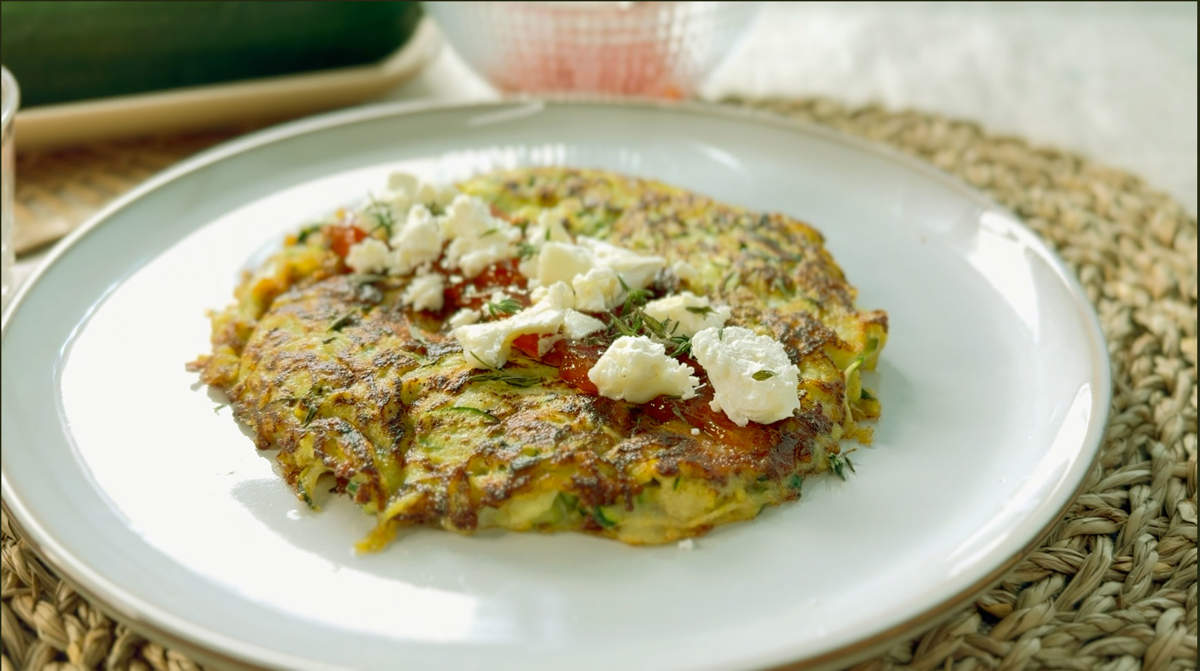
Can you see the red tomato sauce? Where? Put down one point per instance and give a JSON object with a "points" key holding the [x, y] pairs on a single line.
{"points": [[342, 238], [473, 293], [574, 359]]}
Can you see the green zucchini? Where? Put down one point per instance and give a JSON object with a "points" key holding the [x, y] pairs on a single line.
{"points": [[64, 51]]}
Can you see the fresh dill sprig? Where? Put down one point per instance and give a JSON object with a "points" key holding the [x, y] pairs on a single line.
{"points": [[507, 306], [680, 345], [383, 215]]}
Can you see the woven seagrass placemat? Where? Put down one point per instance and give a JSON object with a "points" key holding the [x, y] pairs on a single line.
{"points": [[1112, 587]]}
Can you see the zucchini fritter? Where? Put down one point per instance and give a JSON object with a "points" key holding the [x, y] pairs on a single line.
{"points": [[356, 390]]}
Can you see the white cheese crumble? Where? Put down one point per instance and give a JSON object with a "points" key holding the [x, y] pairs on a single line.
{"points": [[687, 544], [561, 262], [595, 269], [691, 312], [369, 256], [417, 242], [463, 317], [637, 369], [597, 290], [489, 344], [695, 431], [477, 239], [753, 379], [577, 325], [405, 190], [638, 270], [548, 228], [425, 292]]}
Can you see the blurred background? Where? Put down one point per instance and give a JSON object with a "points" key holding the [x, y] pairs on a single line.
{"points": [[1114, 82]]}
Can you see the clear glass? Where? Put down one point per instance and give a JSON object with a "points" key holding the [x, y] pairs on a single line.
{"points": [[655, 49], [10, 97]]}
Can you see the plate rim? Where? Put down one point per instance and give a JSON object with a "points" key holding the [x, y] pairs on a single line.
{"points": [[199, 641]]}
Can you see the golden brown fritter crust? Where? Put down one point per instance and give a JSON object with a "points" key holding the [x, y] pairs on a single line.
{"points": [[328, 369]]}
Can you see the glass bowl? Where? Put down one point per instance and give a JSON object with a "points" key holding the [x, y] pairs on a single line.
{"points": [[657, 49]]}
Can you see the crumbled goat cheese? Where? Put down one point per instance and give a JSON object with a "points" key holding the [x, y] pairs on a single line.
{"points": [[489, 344], [424, 292], [463, 317], [751, 376], [477, 239], [638, 270], [417, 242], [405, 190], [548, 228], [561, 262], [595, 269], [691, 312], [597, 290], [577, 325], [637, 369], [369, 256]]}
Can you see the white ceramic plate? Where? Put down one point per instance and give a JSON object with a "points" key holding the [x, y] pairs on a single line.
{"points": [[994, 385]]}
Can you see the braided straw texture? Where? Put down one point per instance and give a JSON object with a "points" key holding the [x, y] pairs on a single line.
{"points": [[1113, 586]]}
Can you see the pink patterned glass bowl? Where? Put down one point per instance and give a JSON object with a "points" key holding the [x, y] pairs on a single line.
{"points": [[658, 49]]}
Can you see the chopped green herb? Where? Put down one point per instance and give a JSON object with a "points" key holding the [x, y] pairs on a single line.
{"points": [[304, 493], [763, 375], [598, 514], [329, 340], [699, 309], [679, 414], [487, 416], [866, 395], [680, 345], [219, 407], [633, 297], [796, 482], [481, 361], [307, 231], [490, 231], [526, 250], [312, 412], [383, 215], [508, 306], [676, 484], [343, 321], [838, 464], [352, 488], [512, 379], [730, 278]]}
